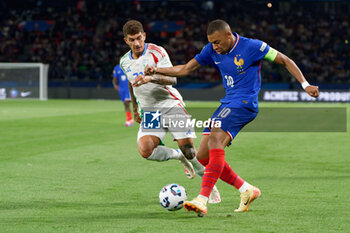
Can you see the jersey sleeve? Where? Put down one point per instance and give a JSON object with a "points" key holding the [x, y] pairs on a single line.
{"points": [[121, 63], [204, 57], [257, 49], [164, 60], [115, 73]]}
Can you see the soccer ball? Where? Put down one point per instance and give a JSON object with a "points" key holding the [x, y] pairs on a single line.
{"points": [[172, 197]]}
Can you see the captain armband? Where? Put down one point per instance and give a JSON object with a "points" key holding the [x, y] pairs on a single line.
{"points": [[271, 54]]}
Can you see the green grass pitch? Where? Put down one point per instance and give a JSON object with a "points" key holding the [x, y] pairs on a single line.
{"points": [[72, 166]]}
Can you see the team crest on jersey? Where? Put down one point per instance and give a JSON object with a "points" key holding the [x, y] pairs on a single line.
{"points": [[239, 62]]}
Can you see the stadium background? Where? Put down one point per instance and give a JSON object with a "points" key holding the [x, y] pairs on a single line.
{"points": [[83, 40]]}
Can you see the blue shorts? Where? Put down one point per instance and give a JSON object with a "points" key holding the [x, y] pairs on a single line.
{"points": [[233, 118], [124, 94]]}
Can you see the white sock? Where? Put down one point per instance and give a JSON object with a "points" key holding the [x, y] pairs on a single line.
{"points": [[244, 187], [197, 166], [203, 197], [162, 153]]}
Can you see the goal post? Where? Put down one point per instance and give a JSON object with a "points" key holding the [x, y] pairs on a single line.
{"points": [[23, 80]]}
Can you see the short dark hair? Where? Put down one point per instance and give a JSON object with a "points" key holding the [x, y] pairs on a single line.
{"points": [[132, 27], [217, 25]]}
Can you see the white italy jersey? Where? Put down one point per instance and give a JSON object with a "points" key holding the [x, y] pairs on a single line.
{"points": [[150, 95]]}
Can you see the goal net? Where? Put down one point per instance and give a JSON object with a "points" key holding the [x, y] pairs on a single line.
{"points": [[23, 80]]}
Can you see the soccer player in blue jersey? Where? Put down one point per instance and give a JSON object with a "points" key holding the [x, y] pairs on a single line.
{"points": [[238, 59], [120, 83]]}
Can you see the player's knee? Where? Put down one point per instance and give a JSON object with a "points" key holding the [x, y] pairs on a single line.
{"points": [[145, 152]]}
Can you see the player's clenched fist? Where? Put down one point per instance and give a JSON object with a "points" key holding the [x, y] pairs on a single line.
{"points": [[149, 70], [140, 79], [312, 91]]}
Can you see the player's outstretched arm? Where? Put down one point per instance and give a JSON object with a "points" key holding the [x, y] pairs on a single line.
{"points": [[296, 72], [134, 105], [162, 80], [175, 71]]}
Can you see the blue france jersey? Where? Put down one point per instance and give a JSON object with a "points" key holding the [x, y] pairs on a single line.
{"points": [[239, 68], [122, 79]]}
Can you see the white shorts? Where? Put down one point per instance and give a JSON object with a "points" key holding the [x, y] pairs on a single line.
{"points": [[169, 121]]}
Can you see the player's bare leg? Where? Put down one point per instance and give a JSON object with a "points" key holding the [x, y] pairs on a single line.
{"points": [[150, 149], [188, 150], [129, 120], [203, 149], [146, 145]]}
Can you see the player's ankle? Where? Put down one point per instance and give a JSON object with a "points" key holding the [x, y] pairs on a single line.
{"points": [[204, 198], [244, 187]]}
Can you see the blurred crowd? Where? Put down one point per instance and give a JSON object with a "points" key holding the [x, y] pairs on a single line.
{"points": [[86, 41]]}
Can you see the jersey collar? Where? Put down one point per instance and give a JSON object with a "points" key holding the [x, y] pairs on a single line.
{"points": [[143, 53], [237, 40]]}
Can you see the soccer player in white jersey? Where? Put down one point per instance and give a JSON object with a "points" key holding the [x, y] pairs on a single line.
{"points": [[158, 95]]}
